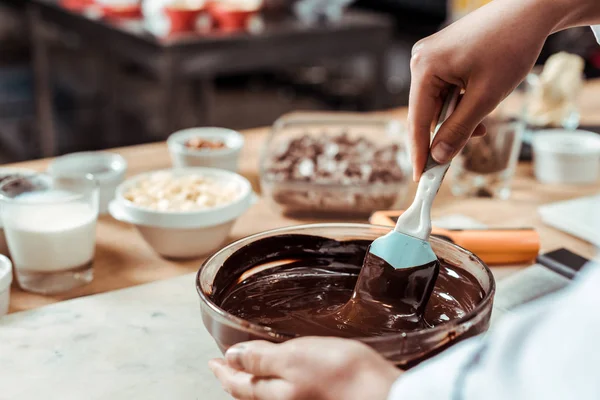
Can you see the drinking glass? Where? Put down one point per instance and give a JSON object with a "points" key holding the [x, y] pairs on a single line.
{"points": [[50, 228], [486, 166]]}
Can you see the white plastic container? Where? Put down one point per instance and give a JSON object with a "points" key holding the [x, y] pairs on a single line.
{"points": [[185, 234], [5, 281], [108, 168], [226, 158], [566, 157]]}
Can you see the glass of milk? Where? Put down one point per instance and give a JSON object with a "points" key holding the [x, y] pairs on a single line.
{"points": [[50, 228]]}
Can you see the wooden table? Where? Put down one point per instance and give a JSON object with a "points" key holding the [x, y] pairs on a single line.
{"points": [[123, 259], [197, 59]]}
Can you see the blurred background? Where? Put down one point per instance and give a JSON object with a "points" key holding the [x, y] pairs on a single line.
{"points": [[92, 74]]}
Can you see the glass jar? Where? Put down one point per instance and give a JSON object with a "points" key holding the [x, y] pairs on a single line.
{"points": [[485, 167], [551, 95]]}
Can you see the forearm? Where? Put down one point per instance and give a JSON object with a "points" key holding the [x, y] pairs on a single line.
{"points": [[570, 13], [551, 16]]}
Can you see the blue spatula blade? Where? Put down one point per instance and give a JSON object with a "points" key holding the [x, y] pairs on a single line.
{"points": [[403, 251]]}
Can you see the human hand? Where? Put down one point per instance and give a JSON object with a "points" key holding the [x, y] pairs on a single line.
{"points": [[487, 53], [308, 368]]}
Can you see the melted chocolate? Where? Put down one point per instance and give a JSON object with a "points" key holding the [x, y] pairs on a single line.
{"points": [[304, 285], [389, 297]]}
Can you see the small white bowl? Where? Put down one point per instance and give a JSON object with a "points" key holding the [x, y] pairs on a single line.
{"points": [[5, 281], [108, 168], [185, 234], [227, 158], [566, 157], [4, 172]]}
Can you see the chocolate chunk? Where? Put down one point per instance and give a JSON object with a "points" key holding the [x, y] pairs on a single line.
{"points": [[198, 143], [491, 153]]}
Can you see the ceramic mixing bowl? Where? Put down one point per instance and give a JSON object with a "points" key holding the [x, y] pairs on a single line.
{"points": [[184, 234]]}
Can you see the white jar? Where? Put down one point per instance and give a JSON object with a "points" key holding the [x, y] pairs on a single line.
{"points": [[5, 281], [226, 158], [566, 157]]}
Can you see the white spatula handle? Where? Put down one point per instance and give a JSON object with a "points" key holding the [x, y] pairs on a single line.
{"points": [[416, 220]]}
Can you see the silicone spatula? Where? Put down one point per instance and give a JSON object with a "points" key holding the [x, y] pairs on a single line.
{"points": [[407, 248]]}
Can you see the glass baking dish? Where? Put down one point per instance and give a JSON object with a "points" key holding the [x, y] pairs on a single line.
{"points": [[323, 164]]}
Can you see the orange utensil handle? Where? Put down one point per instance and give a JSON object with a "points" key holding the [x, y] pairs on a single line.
{"points": [[497, 246]]}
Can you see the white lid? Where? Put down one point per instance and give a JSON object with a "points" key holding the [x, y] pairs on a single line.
{"points": [[104, 166], [5, 273], [562, 141]]}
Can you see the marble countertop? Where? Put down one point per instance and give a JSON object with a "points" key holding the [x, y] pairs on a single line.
{"points": [[145, 342], [148, 342]]}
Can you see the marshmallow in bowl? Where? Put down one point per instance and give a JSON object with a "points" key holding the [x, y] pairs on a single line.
{"points": [[554, 94], [164, 191]]}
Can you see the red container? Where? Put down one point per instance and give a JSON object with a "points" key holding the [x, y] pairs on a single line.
{"points": [[228, 18], [76, 5], [182, 19], [129, 11]]}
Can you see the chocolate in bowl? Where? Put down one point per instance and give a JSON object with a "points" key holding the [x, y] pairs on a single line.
{"points": [[229, 316]]}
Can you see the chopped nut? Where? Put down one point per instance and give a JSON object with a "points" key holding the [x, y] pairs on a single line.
{"points": [[165, 192], [202, 144]]}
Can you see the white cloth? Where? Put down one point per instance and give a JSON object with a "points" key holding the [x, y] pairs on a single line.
{"points": [[597, 32], [548, 350]]}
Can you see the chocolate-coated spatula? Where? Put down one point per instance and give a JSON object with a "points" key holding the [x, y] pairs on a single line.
{"points": [[407, 248]]}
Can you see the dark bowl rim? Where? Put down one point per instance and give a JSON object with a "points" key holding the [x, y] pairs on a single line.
{"points": [[261, 330]]}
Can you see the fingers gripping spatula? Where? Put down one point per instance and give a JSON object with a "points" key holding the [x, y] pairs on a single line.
{"points": [[405, 253]]}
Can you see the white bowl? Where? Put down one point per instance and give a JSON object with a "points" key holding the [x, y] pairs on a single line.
{"points": [[5, 281], [226, 158], [185, 234], [4, 172], [108, 168], [567, 157]]}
